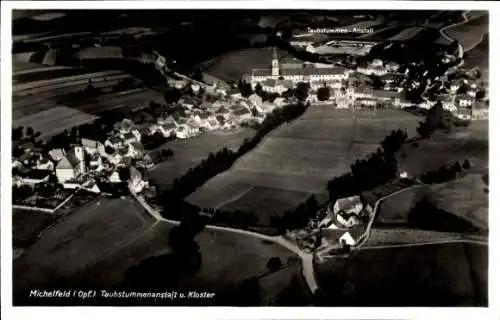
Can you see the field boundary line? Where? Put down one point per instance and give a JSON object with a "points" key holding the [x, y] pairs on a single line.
{"points": [[425, 243]]}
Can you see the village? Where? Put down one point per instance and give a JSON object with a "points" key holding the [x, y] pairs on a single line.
{"points": [[89, 164], [199, 107]]}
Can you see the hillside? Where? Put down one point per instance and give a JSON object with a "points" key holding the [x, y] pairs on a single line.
{"points": [[451, 274]]}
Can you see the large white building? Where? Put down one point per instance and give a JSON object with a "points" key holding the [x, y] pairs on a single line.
{"points": [[297, 72]]}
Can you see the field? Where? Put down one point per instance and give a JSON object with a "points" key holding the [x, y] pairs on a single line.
{"points": [[44, 121], [442, 149], [268, 202], [396, 236], [101, 53], [395, 209], [469, 34], [424, 271], [45, 74], [382, 34], [479, 55], [465, 197], [231, 66], [284, 287], [227, 259], [472, 14], [85, 237], [304, 155], [40, 88], [363, 25], [26, 225], [190, 152]]}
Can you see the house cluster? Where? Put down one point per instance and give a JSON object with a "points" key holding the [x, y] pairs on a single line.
{"points": [[229, 111], [79, 163], [460, 96], [377, 68], [345, 220]]}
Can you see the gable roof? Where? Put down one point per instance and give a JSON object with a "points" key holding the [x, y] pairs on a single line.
{"points": [[65, 163], [345, 204], [241, 112]]}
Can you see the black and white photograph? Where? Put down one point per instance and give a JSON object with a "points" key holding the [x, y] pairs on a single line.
{"points": [[249, 157]]}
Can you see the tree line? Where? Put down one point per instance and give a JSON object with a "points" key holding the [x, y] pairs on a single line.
{"points": [[378, 168], [445, 173]]}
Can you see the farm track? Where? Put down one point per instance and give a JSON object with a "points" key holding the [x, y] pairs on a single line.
{"points": [[308, 272]]}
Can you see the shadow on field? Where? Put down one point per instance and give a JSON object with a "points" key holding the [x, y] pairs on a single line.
{"points": [[168, 271]]}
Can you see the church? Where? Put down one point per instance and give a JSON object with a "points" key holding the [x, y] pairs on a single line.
{"points": [[284, 74]]}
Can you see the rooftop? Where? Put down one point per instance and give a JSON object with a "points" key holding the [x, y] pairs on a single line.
{"points": [[241, 112]]}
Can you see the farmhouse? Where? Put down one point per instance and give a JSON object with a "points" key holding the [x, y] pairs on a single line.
{"points": [[465, 101], [135, 183], [351, 205], [234, 93], [374, 68], [71, 165], [304, 72], [347, 239]]}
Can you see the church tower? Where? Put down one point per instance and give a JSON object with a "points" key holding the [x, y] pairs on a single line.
{"points": [[275, 64]]}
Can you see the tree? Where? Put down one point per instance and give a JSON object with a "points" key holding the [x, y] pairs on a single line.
{"points": [[466, 164], [197, 75], [480, 94], [172, 95], [274, 264], [427, 127], [245, 88], [109, 149], [166, 153], [302, 91], [29, 131], [258, 89], [462, 89], [323, 93], [17, 133], [124, 173]]}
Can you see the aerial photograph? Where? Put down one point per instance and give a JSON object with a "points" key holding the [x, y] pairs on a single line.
{"points": [[210, 157]]}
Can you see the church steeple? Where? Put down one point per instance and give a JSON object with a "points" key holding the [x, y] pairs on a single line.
{"points": [[275, 63], [275, 54]]}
